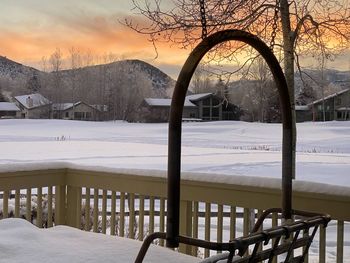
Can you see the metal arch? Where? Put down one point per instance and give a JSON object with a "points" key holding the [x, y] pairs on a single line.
{"points": [[175, 124]]}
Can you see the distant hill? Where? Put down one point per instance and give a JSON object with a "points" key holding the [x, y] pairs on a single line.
{"points": [[13, 75], [11, 69]]}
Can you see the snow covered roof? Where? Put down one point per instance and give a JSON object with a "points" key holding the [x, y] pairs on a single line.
{"points": [[8, 106], [343, 109], [198, 96], [166, 102], [31, 101], [302, 107], [330, 96], [64, 106]]}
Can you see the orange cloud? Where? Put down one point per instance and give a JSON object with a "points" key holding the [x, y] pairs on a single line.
{"points": [[97, 34]]}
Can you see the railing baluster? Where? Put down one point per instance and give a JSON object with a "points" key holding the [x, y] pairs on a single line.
{"points": [[131, 215], [195, 227], [113, 206], [260, 211], [5, 204], [246, 221], [87, 209], [322, 247], [122, 214], [29, 205], [104, 211], [17, 202], [39, 218], [340, 241], [79, 214], [95, 214], [162, 218], [233, 222], [274, 224], [151, 214], [220, 223], [49, 207], [207, 227], [141, 216]]}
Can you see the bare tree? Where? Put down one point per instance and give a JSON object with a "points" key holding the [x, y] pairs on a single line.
{"points": [[75, 64], [56, 79]]}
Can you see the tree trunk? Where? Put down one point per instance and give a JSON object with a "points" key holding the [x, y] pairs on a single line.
{"points": [[288, 50]]}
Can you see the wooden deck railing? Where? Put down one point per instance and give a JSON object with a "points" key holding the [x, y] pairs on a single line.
{"points": [[134, 205]]}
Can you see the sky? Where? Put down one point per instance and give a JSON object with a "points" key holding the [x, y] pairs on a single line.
{"points": [[31, 29]]}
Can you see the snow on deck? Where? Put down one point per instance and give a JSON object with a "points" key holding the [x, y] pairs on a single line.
{"points": [[23, 242]]}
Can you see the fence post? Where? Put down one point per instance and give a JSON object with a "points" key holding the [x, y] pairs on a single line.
{"points": [[73, 206], [185, 224]]}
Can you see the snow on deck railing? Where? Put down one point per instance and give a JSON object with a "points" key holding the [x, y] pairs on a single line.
{"points": [[132, 203]]}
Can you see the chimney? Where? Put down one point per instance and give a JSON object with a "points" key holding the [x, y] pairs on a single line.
{"points": [[29, 102]]}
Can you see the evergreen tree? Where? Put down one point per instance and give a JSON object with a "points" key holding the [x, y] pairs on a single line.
{"points": [[33, 84]]}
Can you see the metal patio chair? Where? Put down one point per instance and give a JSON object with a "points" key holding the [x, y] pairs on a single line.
{"points": [[252, 248]]}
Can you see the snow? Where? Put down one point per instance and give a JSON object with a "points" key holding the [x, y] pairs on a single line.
{"points": [[166, 102], [8, 106], [330, 96], [66, 244], [227, 152], [232, 151], [64, 106], [301, 108], [38, 100], [198, 96]]}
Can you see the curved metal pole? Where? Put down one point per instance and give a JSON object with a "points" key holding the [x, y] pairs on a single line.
{"points": [[175, 123]]}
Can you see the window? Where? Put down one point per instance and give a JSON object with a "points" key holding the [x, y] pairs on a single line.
{"points": [[67, 114], [319, 107], [88, 115], [337, 101], [206, 112], [78, 115], [192, 115], [215, 112]]}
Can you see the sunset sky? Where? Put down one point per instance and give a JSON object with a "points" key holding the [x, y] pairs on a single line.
{"points": [[31, 29]]}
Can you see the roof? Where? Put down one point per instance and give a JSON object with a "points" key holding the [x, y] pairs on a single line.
{"points": [[302, 107], [330, 96], [8, 106], [64, 106], [166, 102], [198, 96], [69, 105], [38, 100], [343, 109]]}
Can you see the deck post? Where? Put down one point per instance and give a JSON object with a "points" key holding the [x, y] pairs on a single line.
{"points": [[73, 205], [185, 224]]}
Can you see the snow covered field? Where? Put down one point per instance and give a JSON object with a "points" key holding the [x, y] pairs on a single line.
{"points": [[230, 149]]}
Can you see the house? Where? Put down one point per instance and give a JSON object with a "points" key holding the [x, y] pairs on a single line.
{"points": [[9, 110], [75, 111], [157, 110], [33, 106], [213, 108], [303, 113], [197, 107], [336, 107]]}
